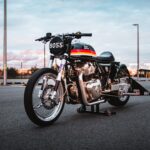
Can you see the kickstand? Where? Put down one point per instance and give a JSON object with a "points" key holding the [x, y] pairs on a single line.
{"points": [[95, 109]]}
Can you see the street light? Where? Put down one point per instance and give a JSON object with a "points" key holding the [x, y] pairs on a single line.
{"points": [[44, 55], [5, 44], [21, 69], [138, 61]]}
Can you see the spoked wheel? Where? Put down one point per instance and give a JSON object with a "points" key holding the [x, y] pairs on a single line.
{"points": [[40, 108], [121, 100]]}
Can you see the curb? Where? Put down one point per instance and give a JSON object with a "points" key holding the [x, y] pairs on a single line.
{"points": [[14, 83]]}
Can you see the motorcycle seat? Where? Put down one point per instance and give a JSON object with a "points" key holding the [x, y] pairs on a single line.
{"points": [[105, 57]]}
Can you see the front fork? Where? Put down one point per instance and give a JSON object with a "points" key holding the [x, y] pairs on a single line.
{"points": [[58, 80], [59, 77], [45, 79], [44, 85]]}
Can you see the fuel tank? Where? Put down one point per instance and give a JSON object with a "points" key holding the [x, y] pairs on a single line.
{"points": [[82, 49]]}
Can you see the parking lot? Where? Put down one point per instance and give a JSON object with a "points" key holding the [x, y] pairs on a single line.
{"points": [[129, 129]]}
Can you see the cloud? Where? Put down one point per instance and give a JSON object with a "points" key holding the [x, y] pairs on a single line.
{"points": [[27, 57], [110, 22]]}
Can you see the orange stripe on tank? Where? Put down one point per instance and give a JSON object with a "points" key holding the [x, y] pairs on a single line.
{"points": [[83, 51]]}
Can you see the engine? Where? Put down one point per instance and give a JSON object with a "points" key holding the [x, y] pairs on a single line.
{"points": [[93, 89], [91, 83], [86, 68]]}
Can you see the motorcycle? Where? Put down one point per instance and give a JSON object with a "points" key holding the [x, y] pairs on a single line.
{"points": [[75, 76]]}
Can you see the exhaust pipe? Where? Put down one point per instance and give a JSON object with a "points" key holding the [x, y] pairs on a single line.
{"points": [[131, 94]]}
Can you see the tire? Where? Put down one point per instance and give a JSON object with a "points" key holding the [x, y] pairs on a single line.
{"points": [[34, 111], [120, 101]]}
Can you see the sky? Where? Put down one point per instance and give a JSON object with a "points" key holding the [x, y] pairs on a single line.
{"points": [[110, 22]]}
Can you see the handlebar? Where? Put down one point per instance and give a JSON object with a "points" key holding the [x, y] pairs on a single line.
{"points": [[77, 35], [86, 34], [40, 39], [45, 38]]}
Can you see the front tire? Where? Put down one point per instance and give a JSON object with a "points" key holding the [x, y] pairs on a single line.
{"points": [[120, 101], [38, 109]]}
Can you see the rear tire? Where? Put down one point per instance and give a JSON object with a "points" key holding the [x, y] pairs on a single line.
{"points": [[31, 96], [115, 101], [120, 101]]}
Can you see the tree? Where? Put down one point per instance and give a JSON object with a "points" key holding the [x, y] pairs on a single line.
{"points": [[12, 72], [33, 69], [1, 73]]}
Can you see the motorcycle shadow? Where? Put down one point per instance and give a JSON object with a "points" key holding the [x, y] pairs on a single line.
{"points": [[106, 108], [86, 116], [70, 116]]}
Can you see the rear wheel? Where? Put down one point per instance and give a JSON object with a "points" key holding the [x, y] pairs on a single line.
{"points": [[42, 110], [121, 100]]}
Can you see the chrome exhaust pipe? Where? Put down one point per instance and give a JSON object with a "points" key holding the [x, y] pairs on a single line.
{"points": [[84, 98], [131, 94]]}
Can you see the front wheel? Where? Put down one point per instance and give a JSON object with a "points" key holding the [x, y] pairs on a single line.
{"points": [[122, 100], [42, 110]]}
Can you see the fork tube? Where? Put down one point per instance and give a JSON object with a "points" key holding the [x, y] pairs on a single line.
{"points": [[51, 61], [44, 84], [58, 79]]}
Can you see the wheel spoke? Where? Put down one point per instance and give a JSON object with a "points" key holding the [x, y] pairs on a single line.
{"points": [[37, 106], [43, 108], [43, 111]]}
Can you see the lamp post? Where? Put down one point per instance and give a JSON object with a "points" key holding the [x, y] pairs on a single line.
{"points": [[5, 44], [138, 60], [21, 69], [44, 54]]}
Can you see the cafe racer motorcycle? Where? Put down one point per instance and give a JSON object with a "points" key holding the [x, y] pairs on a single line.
{"points": [[75, 76]]}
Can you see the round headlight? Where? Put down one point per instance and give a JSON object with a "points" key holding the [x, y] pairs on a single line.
{"points": [[56, 46]]}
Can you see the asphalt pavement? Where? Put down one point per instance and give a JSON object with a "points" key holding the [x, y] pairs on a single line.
{"points": [[129, 129]]}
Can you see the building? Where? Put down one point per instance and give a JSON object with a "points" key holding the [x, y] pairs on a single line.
{"points": [[144, 73]]}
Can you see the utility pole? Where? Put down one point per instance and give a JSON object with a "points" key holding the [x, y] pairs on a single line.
{"points": [[5, 45], [138, 60], [21, 65], [44, 55], [21, 69]]}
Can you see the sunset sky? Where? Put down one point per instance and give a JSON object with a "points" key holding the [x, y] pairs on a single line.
{"points": [[110, 21]]}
